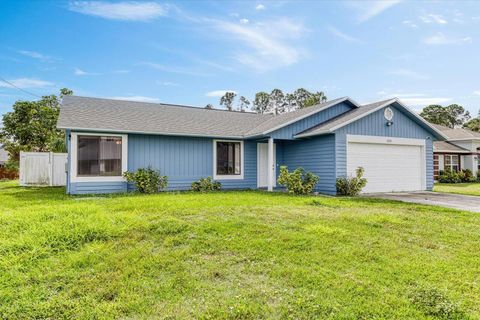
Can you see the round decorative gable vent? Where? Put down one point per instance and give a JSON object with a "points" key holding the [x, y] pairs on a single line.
{"points": [[388, 114]]}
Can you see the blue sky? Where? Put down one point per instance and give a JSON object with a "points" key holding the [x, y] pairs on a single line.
{"points": [[190, 52]]}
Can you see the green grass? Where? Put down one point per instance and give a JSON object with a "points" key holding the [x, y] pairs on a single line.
{"points": [[472, 189], [234, 255]]}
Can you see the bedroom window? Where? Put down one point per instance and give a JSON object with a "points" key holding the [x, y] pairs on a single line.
{"points": [[99, 156], [452, 162], [228, 159]]}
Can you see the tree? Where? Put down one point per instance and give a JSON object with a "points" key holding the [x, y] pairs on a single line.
{"points": [[315, 98], [300, 97], [244, 104], [227, 100], [450, 116], [209, 106], [277, 102], [260, 104], [31, 126], [473, 124]]}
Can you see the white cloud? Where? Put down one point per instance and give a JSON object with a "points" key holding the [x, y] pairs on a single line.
{"points": [[260, 7], [25, 83], [137, 98], [410, 24], [433, 18], [127, 10], [80, 72], [370, 9], [476, 92], [342, 35], [218, 93], [244, 21], [441, 39], [122, 71], [268, 42], [35, 55], [409, 74]]}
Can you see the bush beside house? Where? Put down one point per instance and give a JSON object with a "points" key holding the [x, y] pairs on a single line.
{"points": [[297, 182], [351, 186], [206, 185], [463, 176], [147, 180]]}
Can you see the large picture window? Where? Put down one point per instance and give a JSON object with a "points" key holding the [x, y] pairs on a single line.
{"points": [[452, 162], [228, 161], [99, 156]]}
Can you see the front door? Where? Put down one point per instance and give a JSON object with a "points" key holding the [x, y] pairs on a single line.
{"points": [[262, 164]]}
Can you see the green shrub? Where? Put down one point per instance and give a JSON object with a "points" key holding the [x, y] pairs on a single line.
{"points": [[147, 180], [478, 175], [351, 186], [206, 185], [449, 176], [434, 303], [298, 181], [468, 176]]}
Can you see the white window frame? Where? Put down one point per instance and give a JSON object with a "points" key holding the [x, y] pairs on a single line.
{"points": [[242, 158], [74, 158], [451, 162]]}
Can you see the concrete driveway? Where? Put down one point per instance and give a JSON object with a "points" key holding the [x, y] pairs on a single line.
{"points": [[448, 200]]}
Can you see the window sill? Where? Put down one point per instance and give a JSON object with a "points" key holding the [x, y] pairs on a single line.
{"points": [[228, 177], [98, 179]]}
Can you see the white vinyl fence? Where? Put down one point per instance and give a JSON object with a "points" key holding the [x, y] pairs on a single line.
{"points": [[43, 169]]}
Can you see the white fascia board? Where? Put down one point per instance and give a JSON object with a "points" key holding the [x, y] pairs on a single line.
{"points": [[440, 133], [451, 151], [98, 130]]}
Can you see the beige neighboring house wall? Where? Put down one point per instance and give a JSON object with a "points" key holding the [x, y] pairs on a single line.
{"points": [[462, 146]]}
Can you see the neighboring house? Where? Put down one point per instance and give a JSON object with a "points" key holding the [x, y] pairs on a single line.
{"points": [[3, 156], [460, 151], [244, 150]]}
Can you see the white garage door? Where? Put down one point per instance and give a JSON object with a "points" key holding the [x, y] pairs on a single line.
{"points": [[388, 167]]}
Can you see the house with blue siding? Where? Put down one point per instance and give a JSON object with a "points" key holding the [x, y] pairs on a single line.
{"points": [[245, 150]]}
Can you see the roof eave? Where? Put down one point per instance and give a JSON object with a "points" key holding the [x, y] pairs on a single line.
{"points": [[435, 130], [152, 133]]}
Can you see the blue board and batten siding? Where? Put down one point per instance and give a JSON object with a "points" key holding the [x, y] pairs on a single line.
{"points": [[287, 132], [316, 155], [182, 159], [375, 125], [186, 159]]}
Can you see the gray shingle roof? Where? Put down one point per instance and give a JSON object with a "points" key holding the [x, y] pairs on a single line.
{"points": [[141, 117], [457, 133], [448, 147], [325, 127], [84, 113]]}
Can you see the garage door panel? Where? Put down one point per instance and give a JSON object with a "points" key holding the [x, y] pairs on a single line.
{"points": [[388, 167]]}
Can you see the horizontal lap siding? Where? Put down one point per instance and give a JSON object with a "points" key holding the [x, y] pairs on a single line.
{"points": [[316, 155], [289, 131], [97, 187], [185, 159], [375, 125]]}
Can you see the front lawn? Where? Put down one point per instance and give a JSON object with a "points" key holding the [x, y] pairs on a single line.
{"points": [[237, 255], [472, 189]]}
